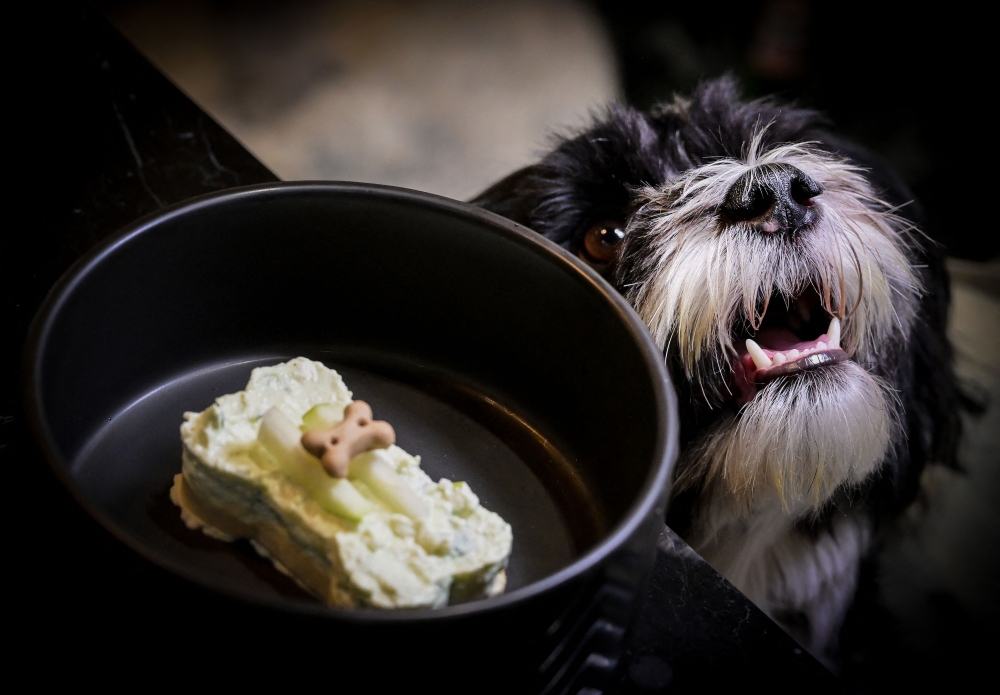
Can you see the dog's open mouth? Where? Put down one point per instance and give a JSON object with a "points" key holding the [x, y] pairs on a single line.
{"points": [[791, 339]]}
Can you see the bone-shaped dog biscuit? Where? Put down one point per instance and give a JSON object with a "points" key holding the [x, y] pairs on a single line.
{"points": [[356, 434]]}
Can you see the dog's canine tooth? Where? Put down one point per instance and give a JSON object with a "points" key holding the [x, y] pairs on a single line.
{"points": [[833, 333], [761, 360]]}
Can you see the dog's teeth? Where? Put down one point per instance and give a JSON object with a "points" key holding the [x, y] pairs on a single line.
{"points": [[833, 333], [779, 358], [760, 360], [793, 353], [821, 345]]}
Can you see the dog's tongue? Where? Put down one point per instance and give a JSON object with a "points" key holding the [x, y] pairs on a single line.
{"points": [[780, 339]]}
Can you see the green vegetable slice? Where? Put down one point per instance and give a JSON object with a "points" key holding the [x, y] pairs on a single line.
{"points": [[321, 417], [380, 477]]}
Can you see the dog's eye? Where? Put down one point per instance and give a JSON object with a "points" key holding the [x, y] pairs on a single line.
{"points": [[601, 242]]}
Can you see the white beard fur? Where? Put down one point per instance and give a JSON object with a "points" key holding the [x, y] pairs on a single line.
{"points": [[794, 445], [785, 571], [801, 437]]}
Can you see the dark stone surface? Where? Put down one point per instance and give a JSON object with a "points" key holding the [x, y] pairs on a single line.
{"points": [[103, 138], [100, 138], [697, 633]]}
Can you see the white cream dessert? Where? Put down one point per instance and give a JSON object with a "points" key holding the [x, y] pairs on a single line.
{"points": [[384, 536]]}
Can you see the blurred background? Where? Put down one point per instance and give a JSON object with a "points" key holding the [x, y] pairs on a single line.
{"points": [[443, 96], [448, 96]]}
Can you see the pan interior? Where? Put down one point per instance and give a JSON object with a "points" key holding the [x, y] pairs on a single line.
{"points": [[127, 466], [494, 356]]}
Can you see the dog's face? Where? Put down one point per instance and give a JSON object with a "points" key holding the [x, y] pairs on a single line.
{"points": [[781, 285], [777, 279]]}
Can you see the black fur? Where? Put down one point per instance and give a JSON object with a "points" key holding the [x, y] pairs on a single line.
{"points": [[592, 177]]}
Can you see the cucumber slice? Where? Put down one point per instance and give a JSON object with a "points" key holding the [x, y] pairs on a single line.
{"points": [[280, 438], [339, 496], [262, 456], [321, 417], [365, 491], [383, 480]]}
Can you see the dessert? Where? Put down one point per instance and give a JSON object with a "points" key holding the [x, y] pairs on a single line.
{"points": [[320, 488]]}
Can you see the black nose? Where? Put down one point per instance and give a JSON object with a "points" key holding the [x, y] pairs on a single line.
{"points": [[775, 197]]}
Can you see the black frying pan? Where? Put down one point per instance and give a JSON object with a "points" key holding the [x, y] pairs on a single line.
{"points": [[497, 357]]}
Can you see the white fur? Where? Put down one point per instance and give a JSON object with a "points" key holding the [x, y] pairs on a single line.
{"points": [[800, 438], [785, 571], [795, 444]]}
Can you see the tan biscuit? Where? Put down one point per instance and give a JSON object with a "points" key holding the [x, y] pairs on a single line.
{"points": [[356, 434]]}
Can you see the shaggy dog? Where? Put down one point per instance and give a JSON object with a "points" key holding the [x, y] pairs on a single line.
{"points": [[801, 313]]}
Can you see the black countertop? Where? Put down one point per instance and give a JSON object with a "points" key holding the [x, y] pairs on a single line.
{"points": [[105, 139]]}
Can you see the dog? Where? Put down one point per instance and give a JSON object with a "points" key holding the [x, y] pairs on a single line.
{"points": [[801, 312]]}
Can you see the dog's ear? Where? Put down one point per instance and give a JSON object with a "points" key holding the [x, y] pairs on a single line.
{"points": [[579, 194], [514, 196], [550, 201]]}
